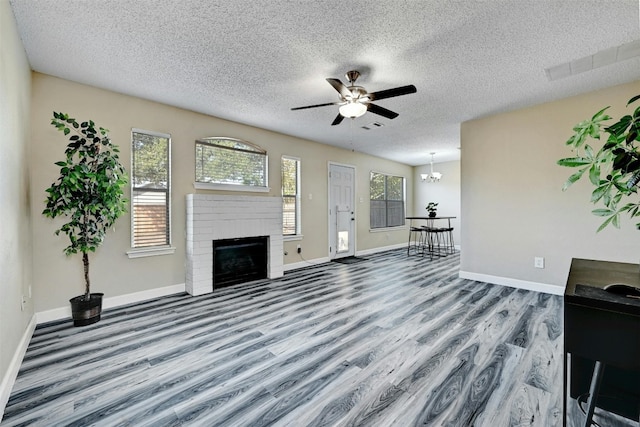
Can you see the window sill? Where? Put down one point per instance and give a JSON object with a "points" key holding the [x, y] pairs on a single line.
{"points": [[230, 187], [146, 252]]}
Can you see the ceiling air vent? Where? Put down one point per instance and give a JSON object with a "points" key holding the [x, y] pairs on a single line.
{"points": [[597, 60], [372, 125]]}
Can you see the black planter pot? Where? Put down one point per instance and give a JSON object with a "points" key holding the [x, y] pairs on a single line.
{"points": [[432, 214], [86, 312]]}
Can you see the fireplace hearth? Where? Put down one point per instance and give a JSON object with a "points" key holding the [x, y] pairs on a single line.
{"points": [[239, 260]]}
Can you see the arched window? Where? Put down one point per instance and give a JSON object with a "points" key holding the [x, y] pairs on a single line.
{"points": [[229, 161]]}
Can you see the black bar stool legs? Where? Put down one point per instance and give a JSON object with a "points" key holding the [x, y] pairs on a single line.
{"points": [[439, 241], [435, 241], [415, 240]]}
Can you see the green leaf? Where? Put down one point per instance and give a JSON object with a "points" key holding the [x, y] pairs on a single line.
{"points": [[576, 139], [573, 162], [588, 151], [599, 192], [632, 100], [594, 174], [573, 178], [602, 212], [600, 115], [604, 224], [619, 127]]}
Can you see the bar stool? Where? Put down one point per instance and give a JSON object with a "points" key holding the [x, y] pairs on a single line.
{"points": [[448, 235], [416, 240], [431, 241], [439, 241]]}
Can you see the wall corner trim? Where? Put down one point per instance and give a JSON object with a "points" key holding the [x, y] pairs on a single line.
{"points": [[513, 283], [10, 376]]}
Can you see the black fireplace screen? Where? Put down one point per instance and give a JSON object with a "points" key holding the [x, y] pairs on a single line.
{"points": [[239, 260]]}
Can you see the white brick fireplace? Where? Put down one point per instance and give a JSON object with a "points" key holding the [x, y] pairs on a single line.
{"points": [[213, 217]]}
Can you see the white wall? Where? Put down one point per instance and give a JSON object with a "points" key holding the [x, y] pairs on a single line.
{"points": [[513, 208], [446, 193], [15, 224]]}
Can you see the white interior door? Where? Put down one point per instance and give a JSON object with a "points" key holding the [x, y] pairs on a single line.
{"points": [[342, 219]]}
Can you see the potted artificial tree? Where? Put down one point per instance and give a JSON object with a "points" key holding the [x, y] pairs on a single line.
{"points": [[432, 208], [614, 169], [89, 192]]}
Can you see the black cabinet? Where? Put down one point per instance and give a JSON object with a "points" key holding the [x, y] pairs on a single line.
{"points": [[602, 339]]}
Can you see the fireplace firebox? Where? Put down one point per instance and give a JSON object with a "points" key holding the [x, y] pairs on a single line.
{"points": [[239, 260]]}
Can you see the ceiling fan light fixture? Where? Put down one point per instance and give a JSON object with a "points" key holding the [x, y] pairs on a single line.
{"points": [[354, 100], [352, 110]]}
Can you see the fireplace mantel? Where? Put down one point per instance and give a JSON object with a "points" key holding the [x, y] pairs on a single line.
{"points": [[214, 217]]}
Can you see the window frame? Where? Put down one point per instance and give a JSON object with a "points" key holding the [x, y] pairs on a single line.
{"points": [[167, 248], [386, 200], [228, 186], [298, 221]]}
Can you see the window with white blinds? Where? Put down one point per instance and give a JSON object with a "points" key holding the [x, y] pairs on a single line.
{"points": [[290, 196], [387, 204], [221, 160], [150, 189]]}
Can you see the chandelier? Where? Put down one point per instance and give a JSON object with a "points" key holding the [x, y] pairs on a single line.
{"points": [[433, 176]]}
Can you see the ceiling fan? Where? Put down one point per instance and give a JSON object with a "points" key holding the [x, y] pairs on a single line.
{"points": [[355, 100]]}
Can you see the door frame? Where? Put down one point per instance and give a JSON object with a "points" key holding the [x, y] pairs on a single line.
{"points": [[355, 213]]}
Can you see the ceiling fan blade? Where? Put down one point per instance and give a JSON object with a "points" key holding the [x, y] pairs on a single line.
{"points": [[337, 85], [317, 105], [390, 93], [337, 120], [376, 109]]}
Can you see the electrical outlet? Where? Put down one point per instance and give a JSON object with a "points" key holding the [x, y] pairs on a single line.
{"points": [[538, 262], [299, 249]]}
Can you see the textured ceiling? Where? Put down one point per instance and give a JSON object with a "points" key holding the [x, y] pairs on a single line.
{"points": [[250, 61]]}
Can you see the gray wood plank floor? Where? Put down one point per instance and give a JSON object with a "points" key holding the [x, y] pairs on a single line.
{"points": [[391, 341]]}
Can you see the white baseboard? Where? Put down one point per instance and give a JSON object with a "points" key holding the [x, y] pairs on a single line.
{"points": [[380, 249], [513, 283], [10, 376], [388, 248], [111, 302], [302, 264]]}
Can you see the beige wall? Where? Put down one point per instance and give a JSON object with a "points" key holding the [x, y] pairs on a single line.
{"points": [[446, 193], [512, 204], [57, 278], [15, 241]]}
